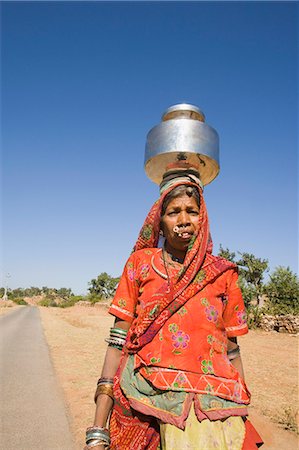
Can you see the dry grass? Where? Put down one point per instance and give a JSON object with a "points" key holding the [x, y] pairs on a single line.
{"points": [[6, 306], [288, 419], [76, 339], [271, 367]]}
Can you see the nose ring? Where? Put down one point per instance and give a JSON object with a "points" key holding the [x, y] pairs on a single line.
{"points": [[177, 231]]}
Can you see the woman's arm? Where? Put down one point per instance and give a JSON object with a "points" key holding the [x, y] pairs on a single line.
{"points": [[112, 359], [232, 346], [104, 402]]}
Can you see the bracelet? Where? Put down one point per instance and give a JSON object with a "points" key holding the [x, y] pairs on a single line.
{"points": [[97, 428], [105, 380], [97, 434], [117, 338], [118, 331], [95, 444], [106, 389]]}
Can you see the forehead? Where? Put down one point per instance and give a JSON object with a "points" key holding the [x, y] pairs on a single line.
{"points": [[183, 201]]}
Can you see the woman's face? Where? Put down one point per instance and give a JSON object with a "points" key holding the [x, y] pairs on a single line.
{"points": [[179, 223]]}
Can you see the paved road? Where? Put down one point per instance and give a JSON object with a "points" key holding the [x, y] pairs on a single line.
{"points": [[31, 407]]}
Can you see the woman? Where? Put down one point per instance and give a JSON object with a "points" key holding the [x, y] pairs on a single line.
{"points": [[178, 376]]}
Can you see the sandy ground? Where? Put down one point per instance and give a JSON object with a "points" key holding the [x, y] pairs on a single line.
{"points": [[76, 340], [7, 306]]}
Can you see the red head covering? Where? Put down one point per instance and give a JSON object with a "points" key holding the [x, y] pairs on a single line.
{"points": [[202, 244], [199, 268]]}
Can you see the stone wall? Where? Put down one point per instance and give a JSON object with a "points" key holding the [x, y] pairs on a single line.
{"points": [[282, 324]]}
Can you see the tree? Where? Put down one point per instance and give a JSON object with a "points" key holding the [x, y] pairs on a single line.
{"points": [[251, 273], [248, 292], [32, 291], [104, 285], [16, 293], [64, 292], [252, 269], [226, 253], [45, 290], [283, 291]]}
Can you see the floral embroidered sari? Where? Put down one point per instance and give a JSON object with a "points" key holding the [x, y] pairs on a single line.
{"points": [[150, 385]]}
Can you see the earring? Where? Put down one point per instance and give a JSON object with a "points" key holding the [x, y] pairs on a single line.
{"points": [[161, 233]]}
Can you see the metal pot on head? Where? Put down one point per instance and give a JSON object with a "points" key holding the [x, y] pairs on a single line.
{"points": [[182, 135]]}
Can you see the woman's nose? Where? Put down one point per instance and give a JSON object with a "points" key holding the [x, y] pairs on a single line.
{"points": [[183, 218]]}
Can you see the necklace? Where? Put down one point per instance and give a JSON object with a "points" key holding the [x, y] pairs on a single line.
{"points": [[172, 257], [163, 275], [175, 259], [164, 252]]}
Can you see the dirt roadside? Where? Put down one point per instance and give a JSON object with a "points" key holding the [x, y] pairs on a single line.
{"points": [[76, 340], [7, 306]]}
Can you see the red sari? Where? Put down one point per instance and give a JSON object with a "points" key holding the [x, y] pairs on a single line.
{"points": [[178, 334]]}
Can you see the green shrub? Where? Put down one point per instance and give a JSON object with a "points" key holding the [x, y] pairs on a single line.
{"points": [[71, 301], [283, 292], [254, 315], [19, 301], [249, 292], [48, 302], [280, 309], [95, 298]]}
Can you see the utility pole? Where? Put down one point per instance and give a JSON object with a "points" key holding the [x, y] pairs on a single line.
{"points": [[6, 287]]}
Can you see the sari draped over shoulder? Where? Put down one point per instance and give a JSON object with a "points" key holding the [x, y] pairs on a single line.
{"points": [[140, 398], [174, 293]]}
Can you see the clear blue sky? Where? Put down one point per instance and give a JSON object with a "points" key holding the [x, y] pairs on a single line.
{"points": [[83, 83]]}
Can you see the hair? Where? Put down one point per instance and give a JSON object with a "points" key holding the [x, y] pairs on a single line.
{"points": [[180, 191]]}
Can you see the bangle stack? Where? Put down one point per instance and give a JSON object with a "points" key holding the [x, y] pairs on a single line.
{"points": [[234, 353], [117, 338], [104, 386], [97, 436]]}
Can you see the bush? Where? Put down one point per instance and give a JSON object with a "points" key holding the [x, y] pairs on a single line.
{"points": [[71, 301], [254, 315], [19, 301], [48, 302], [249, 292], [95, 298], [280, 309], [282, 292]]}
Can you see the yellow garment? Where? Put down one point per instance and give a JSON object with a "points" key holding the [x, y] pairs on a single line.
{"points": [[228, 434]]}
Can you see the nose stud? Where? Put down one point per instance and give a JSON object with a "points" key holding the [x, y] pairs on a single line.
{"points": [[177, 231]]}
